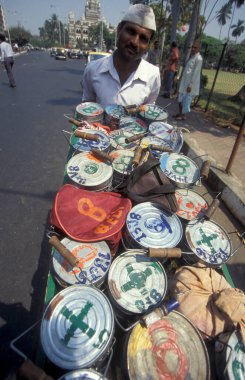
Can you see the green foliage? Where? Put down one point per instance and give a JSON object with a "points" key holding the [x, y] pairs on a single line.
{"points": [[19, 35], [95, 36], [234, 57], [52, 33], [204, 80], [211, 50]]}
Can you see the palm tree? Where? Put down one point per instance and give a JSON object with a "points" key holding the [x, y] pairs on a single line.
{"points": [[223, 15], [235, 4], [238, 29]]}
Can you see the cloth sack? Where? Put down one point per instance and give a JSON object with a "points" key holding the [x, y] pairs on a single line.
{"points": [[208, 300], [90, 216], [147, 183]]}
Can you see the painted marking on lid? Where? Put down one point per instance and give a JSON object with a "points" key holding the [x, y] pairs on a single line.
{"points": [[77, 322]]}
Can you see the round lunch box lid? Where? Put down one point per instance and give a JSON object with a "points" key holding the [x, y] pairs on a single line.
{"points": [[85, 145], [235, 357], [85, 169], [136, 281], [172, 136], [191, 204], [115, 110], [169, 348], [179, 168], [89, 109], [150, 226], [149, 140], [94, 260], [77, 327], [133, 124], [83, 374], [153, 112], [118, 139], [122, 161], [208, 241]]}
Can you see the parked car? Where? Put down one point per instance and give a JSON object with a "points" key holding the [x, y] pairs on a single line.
{"points": [[60, 54], [74, 54], [94, 55]]}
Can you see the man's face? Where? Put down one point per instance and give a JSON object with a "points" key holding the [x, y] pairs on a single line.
{"points": [[133, 40], [195, 48]]}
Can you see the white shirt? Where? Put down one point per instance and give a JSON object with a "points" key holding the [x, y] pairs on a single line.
{"points": [[101, 84], [6, 50], [191, 75]]}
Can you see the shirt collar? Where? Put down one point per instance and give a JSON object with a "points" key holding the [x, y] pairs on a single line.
{"points": [[108, 65]]}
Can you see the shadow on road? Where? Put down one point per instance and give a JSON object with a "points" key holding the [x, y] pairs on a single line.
{"points": [[18, 319]]}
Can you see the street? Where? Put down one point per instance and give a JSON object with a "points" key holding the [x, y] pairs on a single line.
{"points": [[33, 154]]}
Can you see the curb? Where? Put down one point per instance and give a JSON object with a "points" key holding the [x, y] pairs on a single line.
{"points": [[232, 190]]}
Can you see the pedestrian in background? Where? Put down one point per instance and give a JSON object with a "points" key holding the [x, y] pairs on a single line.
{"points": [[7, 58], [154, 55], [190, 81], [170, 70]]}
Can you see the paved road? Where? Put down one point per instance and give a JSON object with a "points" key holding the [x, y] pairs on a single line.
{"points": [[32, 155]]}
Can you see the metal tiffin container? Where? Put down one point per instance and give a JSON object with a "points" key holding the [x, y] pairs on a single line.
{"points": [[136, 283], [90, 173], [172, 136], [83, 374], [77, 328], [191, 204], [166, 347], [209, 242], [93, 263], [102, 141], [149, 226], [180, 169], [153, 112], [89, 111]]}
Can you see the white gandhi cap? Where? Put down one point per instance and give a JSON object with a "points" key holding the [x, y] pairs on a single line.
{"points": [[141, 15]]}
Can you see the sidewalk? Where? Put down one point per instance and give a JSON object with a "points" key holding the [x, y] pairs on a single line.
{"points": [[216, 143]]}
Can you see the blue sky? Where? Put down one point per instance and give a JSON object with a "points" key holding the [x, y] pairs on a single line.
{"points": [[32, 13]]}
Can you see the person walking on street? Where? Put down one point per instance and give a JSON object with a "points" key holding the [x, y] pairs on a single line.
{"points": [[170, 70], [190, 81], [125, 78], [7, 58], [154, 55]]}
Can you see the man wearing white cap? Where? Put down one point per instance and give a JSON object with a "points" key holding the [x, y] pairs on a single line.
{"points": [[125, 78]]}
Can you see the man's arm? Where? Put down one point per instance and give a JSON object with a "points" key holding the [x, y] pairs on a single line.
{"points": [[88, 94]]}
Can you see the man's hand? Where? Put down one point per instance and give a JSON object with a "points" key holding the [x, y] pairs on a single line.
{"points": [[188, 89]]}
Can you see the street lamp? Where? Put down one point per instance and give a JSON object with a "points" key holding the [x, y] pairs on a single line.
{"points": [[101, 37]]}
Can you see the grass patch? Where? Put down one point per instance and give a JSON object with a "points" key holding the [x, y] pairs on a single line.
{"points": [[227, 84]]}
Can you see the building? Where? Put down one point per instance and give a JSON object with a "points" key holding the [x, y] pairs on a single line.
{"points": [[3, 26], [78, 30]]}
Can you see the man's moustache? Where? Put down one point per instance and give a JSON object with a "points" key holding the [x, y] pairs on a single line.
{"points": [[132, 48]]}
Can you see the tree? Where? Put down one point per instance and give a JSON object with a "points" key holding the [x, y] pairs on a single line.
{"points": [[95, 35], [235, 4], [193, 28], [175, 11], [51, 31], [223, 15], [238, 29], [19, 35]]}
